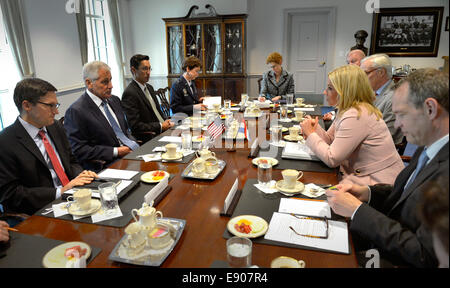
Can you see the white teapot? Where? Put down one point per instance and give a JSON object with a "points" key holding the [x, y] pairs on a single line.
{"points": [[147, 215]]}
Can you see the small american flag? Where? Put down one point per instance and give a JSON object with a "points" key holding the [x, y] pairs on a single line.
{"points": [[216, 128]]}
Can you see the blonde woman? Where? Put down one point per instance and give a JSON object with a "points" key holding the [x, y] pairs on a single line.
{"points": [[358, 140]]}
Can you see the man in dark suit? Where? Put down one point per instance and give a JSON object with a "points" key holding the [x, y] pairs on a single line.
{"points": [[183, 94], [386, 217], [141, 104], [96, 124], [36, 162]]}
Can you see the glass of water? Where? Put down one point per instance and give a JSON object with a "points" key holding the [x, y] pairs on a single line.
{"points": [[108, 196], [264, 174], [186, 140], [276, 133], [290, 99], [239, 252]]}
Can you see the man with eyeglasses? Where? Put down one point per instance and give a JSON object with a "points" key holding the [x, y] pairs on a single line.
{"points": [[141, 104], [36, 162], [96, 125], [378, 68]]}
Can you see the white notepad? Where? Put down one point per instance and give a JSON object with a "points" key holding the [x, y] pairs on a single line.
{"points": [[315, 208], [294, 150]]}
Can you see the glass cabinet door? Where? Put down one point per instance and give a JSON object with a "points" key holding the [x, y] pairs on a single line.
{"points": [[175, 49], [213, 48], [233, 47], [194, 41]]}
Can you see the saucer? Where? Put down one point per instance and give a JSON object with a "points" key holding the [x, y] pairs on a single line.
{"points": [[289, 138], [55, 257], [272, 161], [154, 176], [297, 120], [283, 129], [179, 155], [299, 187], [76, 211], [288, 111]]}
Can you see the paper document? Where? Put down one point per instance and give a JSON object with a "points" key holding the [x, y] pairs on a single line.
{"points": [[117, 174], [279, 230], [210, 101], [171, 139], [315, 208], [294, 150], [122, 185]]}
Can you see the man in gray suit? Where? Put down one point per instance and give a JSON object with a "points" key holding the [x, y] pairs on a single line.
{"points": [[386, 217], [378, 68]]}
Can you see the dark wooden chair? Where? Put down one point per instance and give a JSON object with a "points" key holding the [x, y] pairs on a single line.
{"points": [[164, 101], [259, 85]]}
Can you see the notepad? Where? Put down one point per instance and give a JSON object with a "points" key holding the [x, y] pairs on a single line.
{"points": [[117, 174], [300, 151], [315, 208]]}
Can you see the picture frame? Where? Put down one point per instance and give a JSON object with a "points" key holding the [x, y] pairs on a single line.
{"points": [[407, 32]]}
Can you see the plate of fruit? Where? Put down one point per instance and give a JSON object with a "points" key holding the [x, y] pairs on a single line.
{"points": [[248, 226], [154, 176]]}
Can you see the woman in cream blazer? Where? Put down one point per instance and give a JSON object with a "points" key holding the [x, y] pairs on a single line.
{"points": [[358, 140]]}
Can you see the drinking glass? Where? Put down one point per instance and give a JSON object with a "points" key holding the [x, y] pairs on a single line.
{"points": [[264, 174], [227, 104], [108, 196], [283, 112], [276, 133], [290, 99], [186, 140], [239, 252]]}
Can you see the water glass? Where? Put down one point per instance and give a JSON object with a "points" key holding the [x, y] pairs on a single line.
{"points": [[244, 99], [264, 174], [186, 140], [108, 196], [239, 252], [227, 104], [290, 99], [276, 133]]}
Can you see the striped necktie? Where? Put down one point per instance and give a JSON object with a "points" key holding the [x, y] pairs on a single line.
{"points": [[54, 159], [117, 130]]}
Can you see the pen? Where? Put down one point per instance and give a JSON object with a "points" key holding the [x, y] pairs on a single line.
{"points": [[333, 188], [12, 229]]}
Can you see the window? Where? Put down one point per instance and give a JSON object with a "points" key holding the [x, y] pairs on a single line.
{"points": [[100, 42], [9, 76]]}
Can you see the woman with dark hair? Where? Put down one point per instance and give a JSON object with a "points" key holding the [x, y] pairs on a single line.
{"points": [[184, 96]]}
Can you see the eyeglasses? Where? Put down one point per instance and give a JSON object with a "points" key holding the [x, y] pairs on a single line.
{"points": [[145, 69], [324, 220], [52, 106]]}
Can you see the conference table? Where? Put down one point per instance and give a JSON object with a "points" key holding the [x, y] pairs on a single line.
{"points": [[199, 203]]}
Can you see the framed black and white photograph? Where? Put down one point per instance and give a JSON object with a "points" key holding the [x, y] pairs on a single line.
{"points": [[407, 31]]}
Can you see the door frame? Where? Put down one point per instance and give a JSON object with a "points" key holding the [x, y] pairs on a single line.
{"points": [[288, 14]]}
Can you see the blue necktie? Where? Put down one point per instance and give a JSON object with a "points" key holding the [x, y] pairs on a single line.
{"points": [[423, 159], [119, 134]]}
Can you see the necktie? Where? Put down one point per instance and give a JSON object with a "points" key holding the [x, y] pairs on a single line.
{"points": [[423, 159], [152, 103], [120, 135], [54, 159]]}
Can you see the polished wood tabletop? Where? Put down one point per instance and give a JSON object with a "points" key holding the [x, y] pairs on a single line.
{"points": [[200, 204]]}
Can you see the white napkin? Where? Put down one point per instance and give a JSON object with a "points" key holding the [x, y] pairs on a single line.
{"points": [[307, 191], [151, 157], [287, 120], [270, 189], [60, 209], [102, 216]]}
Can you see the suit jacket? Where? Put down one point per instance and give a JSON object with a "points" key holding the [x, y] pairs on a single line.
{"points": [[391, 221], [182, 99], [271, 88], [362, 146], [139, 111], [26, 184], [384, 103], [89, 132]]}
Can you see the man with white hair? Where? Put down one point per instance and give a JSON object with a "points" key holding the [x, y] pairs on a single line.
{"points": [[96, 125], [378, 68], [354, 57]]}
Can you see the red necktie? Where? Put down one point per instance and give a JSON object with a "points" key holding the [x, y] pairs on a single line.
{"points": [[55, 162]]}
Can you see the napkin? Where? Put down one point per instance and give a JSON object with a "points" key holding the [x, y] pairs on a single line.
{"points": [[307, 191], [60, 209], [151, 157], [102, 216], [270, 189]]}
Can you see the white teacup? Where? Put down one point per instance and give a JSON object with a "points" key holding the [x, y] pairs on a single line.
{"points": [[216, 107], [299, 115], [147, 215], [290, 177], [287, 262], [211, 165], [205, 153], [82, 198], [293, 131], [135, 236], [171, 149], [300, 101]]}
